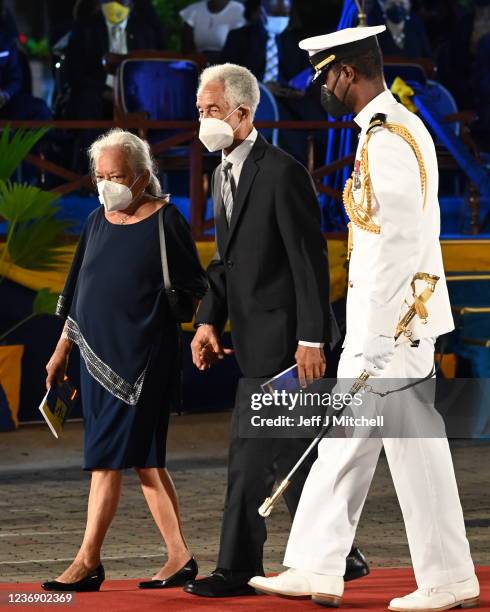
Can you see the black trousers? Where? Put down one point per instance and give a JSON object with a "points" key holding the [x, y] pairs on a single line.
{"points": [[254, 465]]}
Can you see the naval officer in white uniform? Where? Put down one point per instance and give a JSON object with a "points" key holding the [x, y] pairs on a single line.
{"points": [[394, 233]]}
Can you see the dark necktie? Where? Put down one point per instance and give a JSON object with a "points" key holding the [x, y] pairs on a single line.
{"points": [[228, 189], [272, 60]]}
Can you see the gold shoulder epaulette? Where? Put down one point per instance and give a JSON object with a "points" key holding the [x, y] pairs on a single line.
{"points": [[361, 213]]}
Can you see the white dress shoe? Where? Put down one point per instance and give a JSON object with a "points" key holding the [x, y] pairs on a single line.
{"points": [[463, 594], [300, 584]]}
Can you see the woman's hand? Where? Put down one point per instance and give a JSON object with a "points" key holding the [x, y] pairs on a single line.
{"points": [[58, 363]]}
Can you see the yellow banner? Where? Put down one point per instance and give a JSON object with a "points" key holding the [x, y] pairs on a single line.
{"points": [[10, 373]]}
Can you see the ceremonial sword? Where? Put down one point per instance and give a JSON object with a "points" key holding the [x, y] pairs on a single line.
{"points": [[418, 308]]}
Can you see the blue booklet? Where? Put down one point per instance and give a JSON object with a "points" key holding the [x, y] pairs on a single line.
{"points": [[57, 405], [284, 381]]}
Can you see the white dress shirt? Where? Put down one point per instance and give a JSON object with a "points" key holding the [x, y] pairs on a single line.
{"points": [[118, 42], [239, 154], [237, 157]]}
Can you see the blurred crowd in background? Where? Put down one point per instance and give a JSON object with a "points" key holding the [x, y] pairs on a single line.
{"points": [[51, 57]]}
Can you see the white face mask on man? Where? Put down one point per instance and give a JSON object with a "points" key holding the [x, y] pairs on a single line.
{"points": [[114, 196], [217, 134], [276, 24]]}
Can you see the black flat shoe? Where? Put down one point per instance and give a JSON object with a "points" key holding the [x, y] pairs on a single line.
{"points": [[180, 578], [91, 582], [221, 583], [356, 565]]}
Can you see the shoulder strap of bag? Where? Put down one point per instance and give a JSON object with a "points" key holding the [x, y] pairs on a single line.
{"points": [[163, 248]]}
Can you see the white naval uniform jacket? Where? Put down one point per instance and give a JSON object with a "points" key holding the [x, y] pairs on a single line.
{"points": [[382, 265]]}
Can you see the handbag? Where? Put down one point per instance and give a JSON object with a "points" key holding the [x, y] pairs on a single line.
{"points": [[181, 303]]}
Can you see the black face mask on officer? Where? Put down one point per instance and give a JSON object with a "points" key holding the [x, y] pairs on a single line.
{"points": [[332, 104]]}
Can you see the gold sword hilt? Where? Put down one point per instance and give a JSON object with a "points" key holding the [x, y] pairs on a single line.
{"points": [[423, 298]]}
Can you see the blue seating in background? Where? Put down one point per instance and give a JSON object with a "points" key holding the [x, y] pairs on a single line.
{"points": [[469, 289], [164, 88], [444, 102], [470, 299], [267, 110], [456, 216]]}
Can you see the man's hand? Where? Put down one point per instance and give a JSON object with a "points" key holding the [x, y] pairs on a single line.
{"points": [[311, 364], [206, 347], [377, 353]]}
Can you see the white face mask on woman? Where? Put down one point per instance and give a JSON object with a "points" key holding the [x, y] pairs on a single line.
{"points": [[114, 196], [216, 134]]}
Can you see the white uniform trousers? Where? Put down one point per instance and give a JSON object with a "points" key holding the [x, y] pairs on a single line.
{"points": [[334, 493]]}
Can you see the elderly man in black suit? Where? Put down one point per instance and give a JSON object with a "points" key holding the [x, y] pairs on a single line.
{"points": [[269, 277]]}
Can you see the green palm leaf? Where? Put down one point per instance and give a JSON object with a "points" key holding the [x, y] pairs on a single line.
{"points": [[45, 302], [13, 151], [19, 203], [35, 244], [33, 234]]}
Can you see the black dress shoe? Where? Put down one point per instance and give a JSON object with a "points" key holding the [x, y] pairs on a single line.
{"points": [[183, 576], [221, 583], [91, 582], [356, 565]]}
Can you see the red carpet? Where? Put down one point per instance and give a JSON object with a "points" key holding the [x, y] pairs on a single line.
{"points": [[371, 593]]}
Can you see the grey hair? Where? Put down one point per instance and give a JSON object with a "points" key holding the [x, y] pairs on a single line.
{"points": [[137, 150], [240, 85]]}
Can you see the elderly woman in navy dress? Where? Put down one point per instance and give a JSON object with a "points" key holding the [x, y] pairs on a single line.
{"points": [[117, 313]]}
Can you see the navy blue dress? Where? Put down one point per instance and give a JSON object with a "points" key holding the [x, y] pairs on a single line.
{"points": [[117, 314]]}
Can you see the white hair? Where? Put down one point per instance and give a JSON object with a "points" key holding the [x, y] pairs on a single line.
{"points": [[240, 85], [137, 151]]}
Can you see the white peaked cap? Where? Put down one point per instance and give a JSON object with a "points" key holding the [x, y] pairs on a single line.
{"points": [[338, 39], [326, 49]]}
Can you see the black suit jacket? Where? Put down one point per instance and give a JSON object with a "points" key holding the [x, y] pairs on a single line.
{"points": [[247, 46], [89, 42], [269, 275]]}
